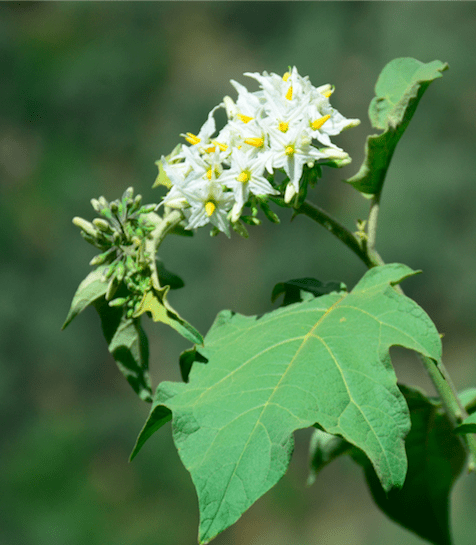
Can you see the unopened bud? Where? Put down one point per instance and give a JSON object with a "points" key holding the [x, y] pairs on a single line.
{"points": [[103, 225], [289, 193], [85, 226], [128, 194], [118, 302]]}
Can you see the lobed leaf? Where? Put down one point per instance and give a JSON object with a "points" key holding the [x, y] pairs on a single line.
{"points": [[436, 457], [399, 89], [323, 361]]}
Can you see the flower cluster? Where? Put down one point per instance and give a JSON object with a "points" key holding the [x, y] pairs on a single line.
{"points": [[284, 126], [120, 233]]}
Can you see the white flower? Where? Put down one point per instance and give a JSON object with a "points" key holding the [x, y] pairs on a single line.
{"points": [[244, 177], [291, 151], [208, 203]]}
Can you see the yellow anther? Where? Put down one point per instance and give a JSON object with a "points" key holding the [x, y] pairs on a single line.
{"points": [[317, 124], [286, 76], [192, 139], [283, 126], [289, 150], [327, 94], [223, 147], [244, 118], [210, 207], [256, 142], [211, 149], [209, 173], [244, 176], [289, 94]]}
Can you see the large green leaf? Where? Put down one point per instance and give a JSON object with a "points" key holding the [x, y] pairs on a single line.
{"points": [[321, 361], [399, 88], [91, 288], [435, 459], [128, 345]]}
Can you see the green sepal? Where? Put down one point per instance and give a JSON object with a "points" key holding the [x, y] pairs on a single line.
{"points": [[162, 178], [399, 88], [128, 345], [155, 302], [91, 288]]}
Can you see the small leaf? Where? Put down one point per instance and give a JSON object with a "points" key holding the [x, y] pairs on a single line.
{"points": [[468, 425], [187, 359], [91, 288], [323, 361], [468, 399], [158, 416], [435, 459], [128, 346], [295, 290], [155, 302], [399, 88], [323, 449]]}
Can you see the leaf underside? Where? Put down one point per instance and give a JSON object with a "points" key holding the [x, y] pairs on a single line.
{"points": [[436, 458], [399, 89], [321, 361]]}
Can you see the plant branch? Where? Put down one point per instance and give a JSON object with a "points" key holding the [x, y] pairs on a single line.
{"points": [[162, 226], [336, 228]]}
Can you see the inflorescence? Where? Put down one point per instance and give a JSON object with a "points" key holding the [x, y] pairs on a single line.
{"points": [[285, 126]]}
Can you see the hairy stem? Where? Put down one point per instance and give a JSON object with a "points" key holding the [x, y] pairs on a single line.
{"points": [[162, 226]]}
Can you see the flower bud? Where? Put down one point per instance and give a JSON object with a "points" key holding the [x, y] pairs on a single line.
{"points": [[85, 226], [102, 225]]}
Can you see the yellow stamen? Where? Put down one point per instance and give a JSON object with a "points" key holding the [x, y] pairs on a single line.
{"points": [[289, 150], [283, 126], [289, 94], [256, 142], [192, 139], [244, 118], [317, 123], [286, 76], [244, 176], [327, 94], [210, 207], [209, 173], [211, 149], [223, 147]]}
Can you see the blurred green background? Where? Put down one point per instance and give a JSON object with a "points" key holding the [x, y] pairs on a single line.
{"points": [[91, 95]]}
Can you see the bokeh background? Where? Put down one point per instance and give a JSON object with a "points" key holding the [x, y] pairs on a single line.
{"points": [[91, 95]]}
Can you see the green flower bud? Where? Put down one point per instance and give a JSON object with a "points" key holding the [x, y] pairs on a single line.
{"points": [[112, 288], [85, 226], [119, 302], [103, 225]]}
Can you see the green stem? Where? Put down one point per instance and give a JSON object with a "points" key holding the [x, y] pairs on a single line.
{"points": [[162, 226], [336, 228], [369, 255]]}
